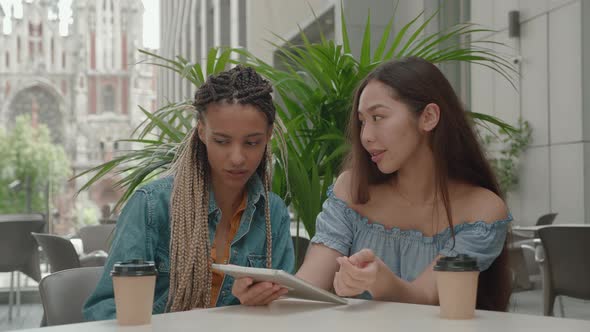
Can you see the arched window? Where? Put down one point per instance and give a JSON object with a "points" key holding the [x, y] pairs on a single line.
{"points": [[48, 113], [108, 98]]}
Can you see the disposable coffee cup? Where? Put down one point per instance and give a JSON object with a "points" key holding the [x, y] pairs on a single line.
{"points": [[456, 280], [134, 283]]}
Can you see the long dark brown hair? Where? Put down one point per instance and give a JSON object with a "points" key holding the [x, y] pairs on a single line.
{"points": [[457, 154]]}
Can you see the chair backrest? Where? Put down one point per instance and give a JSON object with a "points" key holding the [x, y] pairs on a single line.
{"points": [[96, 237], [59, 251], [300, 245], [18, 249], [546, 219], [63, 294], [567, 259]]}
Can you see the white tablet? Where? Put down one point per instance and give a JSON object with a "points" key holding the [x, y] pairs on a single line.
{"points": [[297, 287]]}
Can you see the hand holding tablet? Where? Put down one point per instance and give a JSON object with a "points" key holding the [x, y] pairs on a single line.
{"points": [[297, 287]]}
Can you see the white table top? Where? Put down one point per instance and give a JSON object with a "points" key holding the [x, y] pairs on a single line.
{"points": [[358, 316]]}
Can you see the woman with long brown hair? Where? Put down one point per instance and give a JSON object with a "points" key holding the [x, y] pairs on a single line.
{"points": [[416, 187], [216, 208]]}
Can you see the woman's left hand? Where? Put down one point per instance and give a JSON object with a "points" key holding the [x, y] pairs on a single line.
{"points": [[357, 273], [255, 294]]}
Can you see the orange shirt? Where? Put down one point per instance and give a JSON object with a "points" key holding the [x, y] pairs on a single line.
{"points": [[223, 252]]}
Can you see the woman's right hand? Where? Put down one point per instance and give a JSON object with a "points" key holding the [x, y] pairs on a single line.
{"points": [[358, 273], [260, 293]]}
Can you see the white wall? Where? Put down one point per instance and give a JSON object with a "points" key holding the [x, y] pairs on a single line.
{"points": [[265, 18], [550, 97]]}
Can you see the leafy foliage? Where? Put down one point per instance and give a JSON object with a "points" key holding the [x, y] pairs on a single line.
{"points": [[313, 102], [315, 93], [29, 157], [504, 151]]}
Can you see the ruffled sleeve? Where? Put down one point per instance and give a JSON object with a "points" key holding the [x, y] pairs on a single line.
{"points": [[335, 225], [481, 240]]}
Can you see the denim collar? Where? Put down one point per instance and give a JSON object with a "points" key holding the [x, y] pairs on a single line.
{"points": [[255, 189]]}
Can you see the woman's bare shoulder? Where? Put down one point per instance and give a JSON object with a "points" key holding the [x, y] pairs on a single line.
{"points": [[342, 186], [481, 204]]}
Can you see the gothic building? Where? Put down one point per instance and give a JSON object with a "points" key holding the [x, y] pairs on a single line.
{"points": [[85, 85]]}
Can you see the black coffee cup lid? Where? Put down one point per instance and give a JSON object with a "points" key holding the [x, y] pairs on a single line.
{"points": [[460, 263], [135, 268]]}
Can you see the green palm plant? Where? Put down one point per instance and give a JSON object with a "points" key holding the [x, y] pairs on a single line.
{"points": [[314, 97], [315, 93]]}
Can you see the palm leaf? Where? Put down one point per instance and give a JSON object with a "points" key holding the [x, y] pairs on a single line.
{"points": [[400, 36], [415, 35], [344, 31], [366, 44]]}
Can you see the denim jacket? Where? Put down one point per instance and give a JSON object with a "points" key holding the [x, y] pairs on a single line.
{"points": [[143, 231]]}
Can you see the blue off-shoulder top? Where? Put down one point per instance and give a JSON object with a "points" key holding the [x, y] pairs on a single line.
{"points": [[406, 252]]}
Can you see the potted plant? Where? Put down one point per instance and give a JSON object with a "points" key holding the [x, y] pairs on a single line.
{"points": [[313, 101], [315, 89]]}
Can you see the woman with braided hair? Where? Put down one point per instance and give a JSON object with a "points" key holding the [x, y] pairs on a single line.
{"points": [[216, 208]]}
